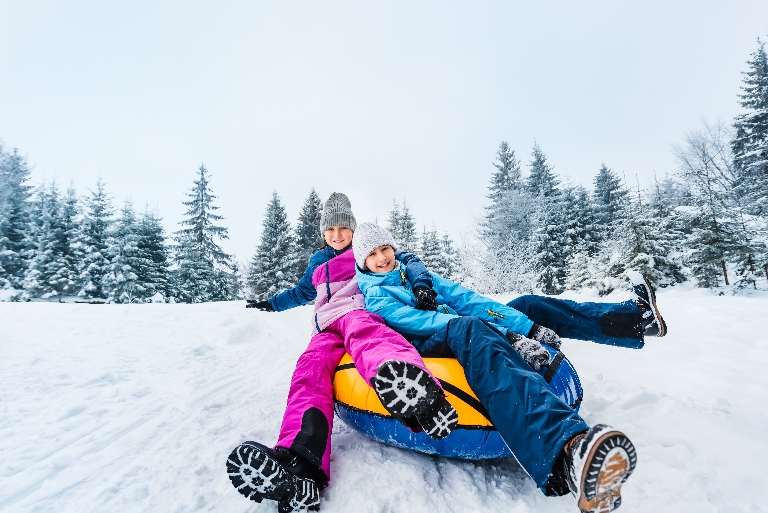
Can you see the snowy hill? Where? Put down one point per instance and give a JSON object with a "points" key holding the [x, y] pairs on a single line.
{"points": [[135, 408]]}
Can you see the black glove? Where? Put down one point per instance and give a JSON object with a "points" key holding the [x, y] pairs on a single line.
{"points": [[264, 306], [545, 336], [531, 351], [425, 299]]}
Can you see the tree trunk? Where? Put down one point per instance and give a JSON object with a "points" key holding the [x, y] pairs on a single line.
{"points": [[765, 266], [725, 272]]}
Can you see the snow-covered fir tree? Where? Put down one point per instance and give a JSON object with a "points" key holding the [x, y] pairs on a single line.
{"points": [[642, 246], [581, 271], [509, 215], [549, 254], [121, 282], [438, 253], [448, 255], [507, 176], [51, 270], [718, 232], [273, 266], [94, 231], [15, 194], [609, 199], [750, 142], [204, 271], [402, 226], [431, 250], [308, 236], [541, 180], [153, 267]]}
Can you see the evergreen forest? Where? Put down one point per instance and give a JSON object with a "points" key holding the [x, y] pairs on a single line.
{"points": [[705, 223]]}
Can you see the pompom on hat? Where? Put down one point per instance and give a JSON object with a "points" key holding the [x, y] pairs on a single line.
{"points": [[368, 237], [337, 211]]}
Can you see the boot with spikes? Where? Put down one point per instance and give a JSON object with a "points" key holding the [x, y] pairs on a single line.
{"points": [[653, 324], [597, 463], [259, 472]]}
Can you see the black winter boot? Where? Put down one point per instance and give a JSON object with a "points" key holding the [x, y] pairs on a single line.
{"points": [[259, 472], [597, 464], [645, 297], [408, 393]]}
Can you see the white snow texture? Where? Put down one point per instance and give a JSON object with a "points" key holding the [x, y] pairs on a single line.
{"points": [[133, 408]]}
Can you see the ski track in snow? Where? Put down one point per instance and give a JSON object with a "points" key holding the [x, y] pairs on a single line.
{"points": [[136, 407]]}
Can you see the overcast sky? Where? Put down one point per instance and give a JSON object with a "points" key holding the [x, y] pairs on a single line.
{"points": [[379, 100]]}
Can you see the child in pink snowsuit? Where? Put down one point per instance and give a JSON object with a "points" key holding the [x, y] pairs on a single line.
{"points": [[298, 466]]}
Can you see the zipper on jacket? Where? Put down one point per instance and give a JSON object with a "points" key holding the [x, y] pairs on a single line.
{"points": [[328, 279], [402, 277], [495, 314], [446, 309]]}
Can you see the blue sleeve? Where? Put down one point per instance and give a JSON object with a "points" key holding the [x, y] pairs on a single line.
{"points": [[303, 292], [415, 271], [401, 316], [466, 302]]}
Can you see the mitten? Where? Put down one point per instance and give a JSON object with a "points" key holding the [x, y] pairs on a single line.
{"points": [[531, 351], [545, 336], [264, 306], [425, 298]]}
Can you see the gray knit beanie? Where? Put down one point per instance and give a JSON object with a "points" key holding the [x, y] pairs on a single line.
{"points": [[337, 211], [368, 237]]}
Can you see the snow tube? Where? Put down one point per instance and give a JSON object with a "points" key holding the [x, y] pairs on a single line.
{"points": [[474, 438]]}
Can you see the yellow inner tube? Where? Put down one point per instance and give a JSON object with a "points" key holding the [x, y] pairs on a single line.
{"points": [[350, 389]]}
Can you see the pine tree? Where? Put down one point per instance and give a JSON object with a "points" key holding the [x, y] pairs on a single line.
{"points": [[542, 180], [645, 247], [580, 270], [508, 217], [409, 240], [204, 270], [50, 270], [431, 251], [750, 143], [550, 253], [448, 259], [14, 215], [402, 227], [507, 176], [719, 233], [153, 266], [273, 265], [70, 226], [121, 282], [308, 236], [609, 198], [94, 231], [549, 235], [393, 221]]}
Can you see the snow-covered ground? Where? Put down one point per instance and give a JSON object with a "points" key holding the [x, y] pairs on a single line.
{"points": [[134, 408]]}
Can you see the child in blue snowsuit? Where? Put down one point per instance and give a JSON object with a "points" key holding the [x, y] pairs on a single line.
{"points": [[491, 341]]}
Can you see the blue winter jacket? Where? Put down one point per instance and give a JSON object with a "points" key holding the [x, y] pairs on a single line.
{"points": [[304, 291], [390, 295]]}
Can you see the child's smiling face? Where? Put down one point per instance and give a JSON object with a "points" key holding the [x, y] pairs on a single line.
{"points": [[338, 237], [381, 259]]}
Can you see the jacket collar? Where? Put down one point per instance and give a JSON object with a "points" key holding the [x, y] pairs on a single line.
{"points": [[367, 279], [330, 252]]}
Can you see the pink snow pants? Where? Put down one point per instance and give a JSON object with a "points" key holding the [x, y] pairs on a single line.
{"points": [[308, 418]]}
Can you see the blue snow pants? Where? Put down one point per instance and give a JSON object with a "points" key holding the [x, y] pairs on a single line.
{"points": [[533, 422], [614, 324]]}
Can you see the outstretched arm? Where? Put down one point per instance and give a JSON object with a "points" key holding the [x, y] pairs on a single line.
{"points": [[468, 302], [301, 294]]}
